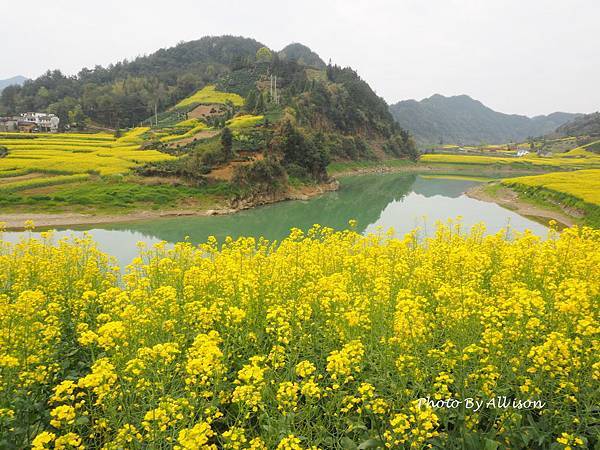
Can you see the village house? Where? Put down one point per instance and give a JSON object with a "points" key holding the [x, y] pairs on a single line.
{"points": [[9, 124], [30, 122], [44, 122]]}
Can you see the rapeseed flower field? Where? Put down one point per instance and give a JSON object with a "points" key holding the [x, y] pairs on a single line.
{"points": [[585, 160], [581, 184], [245, 121], [578, 189], [324, 340], [210, 94], [72, 155]]}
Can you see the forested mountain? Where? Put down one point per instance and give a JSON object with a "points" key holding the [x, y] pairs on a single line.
{"points": [[587, 125], [125, 93], [18, 80], [302, 55], [463, 120], [323, 98], [306, 113]]}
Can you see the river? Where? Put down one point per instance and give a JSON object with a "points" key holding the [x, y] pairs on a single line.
{"points": [[402, 201]]}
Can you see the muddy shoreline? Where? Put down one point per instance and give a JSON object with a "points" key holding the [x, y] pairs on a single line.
{"points": [[509, 199]]}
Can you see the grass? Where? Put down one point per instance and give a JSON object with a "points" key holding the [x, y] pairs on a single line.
{"points": [[210, 94], [113, 195], [40, 182]]}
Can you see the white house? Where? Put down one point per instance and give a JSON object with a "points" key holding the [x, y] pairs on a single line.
{"points": [[522, 152], [44, 122]]}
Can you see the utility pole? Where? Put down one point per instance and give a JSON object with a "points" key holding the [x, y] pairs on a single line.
{"points": [[156, 113]]}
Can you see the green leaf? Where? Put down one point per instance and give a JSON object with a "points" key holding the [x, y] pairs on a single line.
{"points": [[348, 443], [370, 443], [491, 445]]}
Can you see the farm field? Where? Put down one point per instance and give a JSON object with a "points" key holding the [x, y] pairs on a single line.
{"points": [[69, 154], [327, 341], [579, 189], [577, 160], [210, 94]]}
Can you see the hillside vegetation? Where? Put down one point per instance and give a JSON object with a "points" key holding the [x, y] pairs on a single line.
{"points": [[588, 125], [465, 121], [302, 55], [217, 110]]}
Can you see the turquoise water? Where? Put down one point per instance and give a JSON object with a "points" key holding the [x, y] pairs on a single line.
{"points": [[400, 201]]}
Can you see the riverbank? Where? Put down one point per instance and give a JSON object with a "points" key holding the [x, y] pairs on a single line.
{"points": [[17, 221], [510, 199], [340, 169]]}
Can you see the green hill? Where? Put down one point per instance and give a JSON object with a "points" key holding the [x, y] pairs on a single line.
{"points": [[465, 121], [587, 125], [18, 81], [319, 97], [302, 55], [229, 109]]}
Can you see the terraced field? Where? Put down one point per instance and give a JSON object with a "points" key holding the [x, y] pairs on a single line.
{"points": [[245, 121], [581, 159], [50, 159]]}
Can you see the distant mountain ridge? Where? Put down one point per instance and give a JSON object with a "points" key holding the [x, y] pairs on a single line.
{"points": [[463, 120], [18, 80], [587, 125]]}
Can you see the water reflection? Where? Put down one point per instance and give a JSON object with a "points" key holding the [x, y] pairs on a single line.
{"points": [[401, 201]]}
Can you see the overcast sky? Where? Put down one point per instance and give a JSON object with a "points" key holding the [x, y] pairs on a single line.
{"points": [[516, 56]]}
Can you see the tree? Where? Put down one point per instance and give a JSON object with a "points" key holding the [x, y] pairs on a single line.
{"points": [[250, 104], [298, 151], [77, 117], [227, 143], [263, 54], [260, 104]]}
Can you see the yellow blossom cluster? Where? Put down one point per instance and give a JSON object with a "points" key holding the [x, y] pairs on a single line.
{"points": [[324, 340]]}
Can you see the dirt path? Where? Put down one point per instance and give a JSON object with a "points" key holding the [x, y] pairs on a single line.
{"points": [[204, 134], [509, 199], [27, 176]]}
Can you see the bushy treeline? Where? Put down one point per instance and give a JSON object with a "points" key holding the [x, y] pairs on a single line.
{"points": [[126, 93]]}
